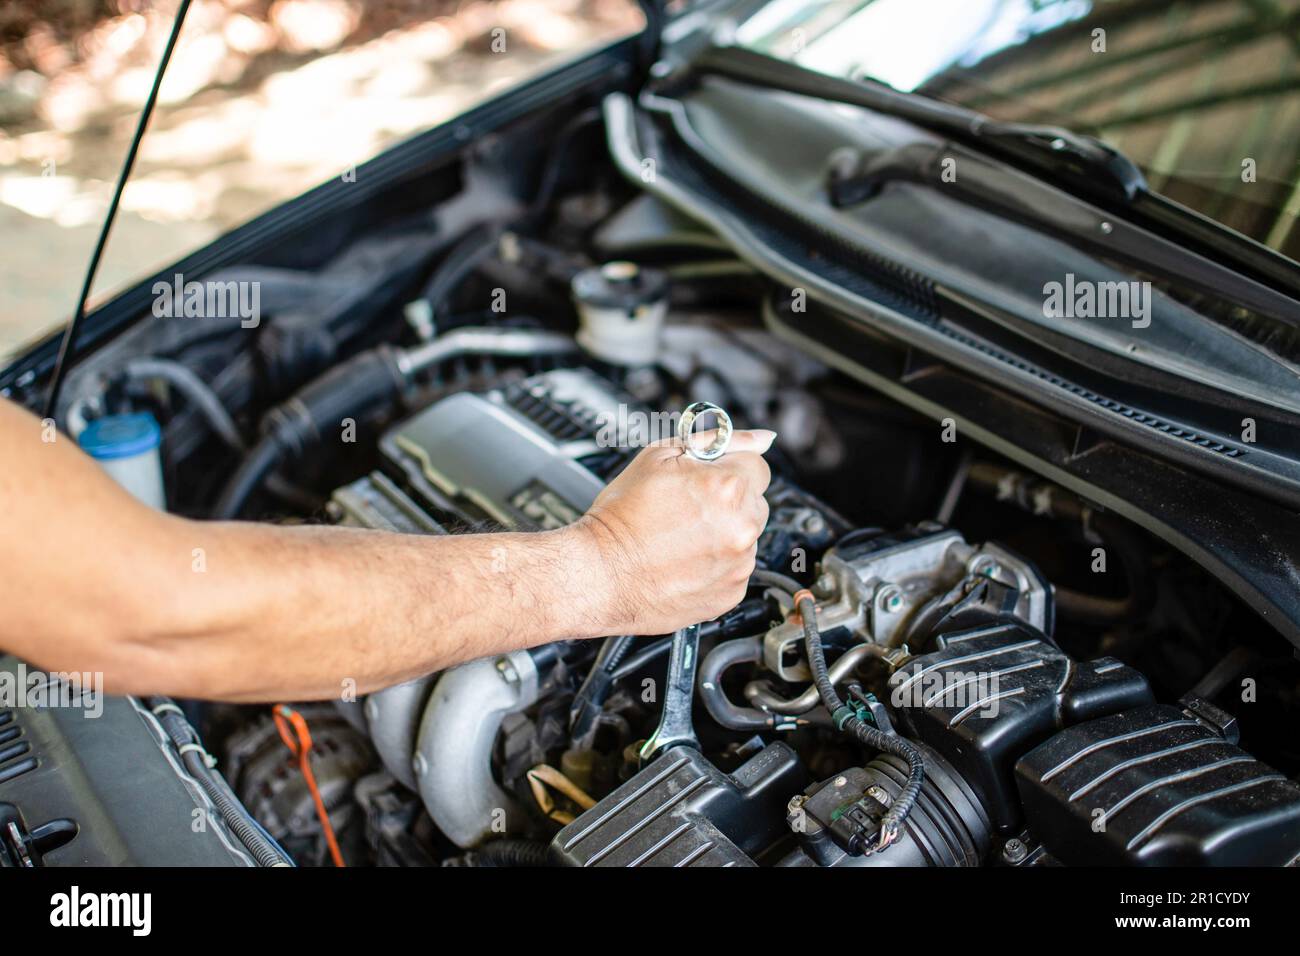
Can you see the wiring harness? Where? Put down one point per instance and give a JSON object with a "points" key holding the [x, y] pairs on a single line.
{"points": [[847, 720]]}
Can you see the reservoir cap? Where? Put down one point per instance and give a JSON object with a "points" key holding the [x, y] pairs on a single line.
{"points": [[120, 436]]}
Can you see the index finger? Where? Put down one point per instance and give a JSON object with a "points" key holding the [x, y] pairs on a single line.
{"points": [[750, 466]]}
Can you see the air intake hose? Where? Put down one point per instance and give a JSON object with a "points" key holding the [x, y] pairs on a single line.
{"points": [[365, 383]]}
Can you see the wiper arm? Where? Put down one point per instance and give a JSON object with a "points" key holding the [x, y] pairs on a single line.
{"points": [[988, 185], [1082, 164], [1064, 156]]}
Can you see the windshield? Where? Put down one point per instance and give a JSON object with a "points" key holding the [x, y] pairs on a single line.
{"points": [[1204, 95]]}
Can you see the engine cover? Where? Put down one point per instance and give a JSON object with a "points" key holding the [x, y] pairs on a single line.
{"points": [[989, 694], [525, 456], [681, 810], [87, 787], [1155, 786]]}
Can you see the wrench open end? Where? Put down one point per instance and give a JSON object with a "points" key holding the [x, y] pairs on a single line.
{"points": [[676, 728]]}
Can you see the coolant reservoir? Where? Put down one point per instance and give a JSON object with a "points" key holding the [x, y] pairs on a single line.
{"points": [[126, 446], [621, 310]]}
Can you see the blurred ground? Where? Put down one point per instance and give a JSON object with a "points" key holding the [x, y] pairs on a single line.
{"points": [[263, 99]]}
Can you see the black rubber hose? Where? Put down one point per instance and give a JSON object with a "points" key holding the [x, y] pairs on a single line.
{"points": [[643, 657], [777, 580], [845, 718], [200, 394], [353, 389], [248, 477], [1116, 535], [613, 651], [595, 689], [650, 42], [477, 245], [555, 164], [247, 830], [743, 650], [529, 853], [1023, 491]]}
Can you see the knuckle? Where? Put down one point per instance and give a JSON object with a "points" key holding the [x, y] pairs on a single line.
{"points": [[739, 590], [744, 567], [730, 486]]}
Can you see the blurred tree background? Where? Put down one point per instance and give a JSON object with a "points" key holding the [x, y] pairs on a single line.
{"points": [[263, 99]]}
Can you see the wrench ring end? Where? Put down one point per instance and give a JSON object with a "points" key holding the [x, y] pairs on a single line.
{"points": [[686, 424]]}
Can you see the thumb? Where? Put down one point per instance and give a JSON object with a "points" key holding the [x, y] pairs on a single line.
{"points": [[757, 440]]}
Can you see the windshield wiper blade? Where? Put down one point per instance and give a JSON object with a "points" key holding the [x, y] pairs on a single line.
{"points": [[988, 185], [1080, 163]]}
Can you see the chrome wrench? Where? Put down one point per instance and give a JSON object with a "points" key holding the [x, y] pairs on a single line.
{"points": [[676, 728]]}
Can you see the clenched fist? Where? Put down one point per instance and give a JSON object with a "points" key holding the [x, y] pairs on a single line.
{"points": [[674, 538]]}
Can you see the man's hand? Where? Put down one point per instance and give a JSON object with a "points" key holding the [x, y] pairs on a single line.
{"points": [[676, 537]]}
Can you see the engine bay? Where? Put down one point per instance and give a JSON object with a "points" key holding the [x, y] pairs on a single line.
{"points": [[946, 643], [1026, 677]]}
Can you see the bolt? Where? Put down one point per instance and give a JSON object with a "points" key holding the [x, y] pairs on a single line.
{"points": [[813, 523], [841, 781], [889, 598], [1014, 851]]}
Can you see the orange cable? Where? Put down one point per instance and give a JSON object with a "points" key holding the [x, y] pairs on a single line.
{"points": [[286, 717]]}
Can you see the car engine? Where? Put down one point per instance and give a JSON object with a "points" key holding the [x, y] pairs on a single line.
{"points": [[942, 658], [946, 643]]}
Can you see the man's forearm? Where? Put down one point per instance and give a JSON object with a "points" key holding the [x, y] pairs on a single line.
{"points": [[256, 612], [91, 580]]}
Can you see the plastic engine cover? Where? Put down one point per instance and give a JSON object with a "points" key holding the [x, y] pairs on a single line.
{"points": [[683, 811], [991, 693], [84, 785], [1156, 787]]}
